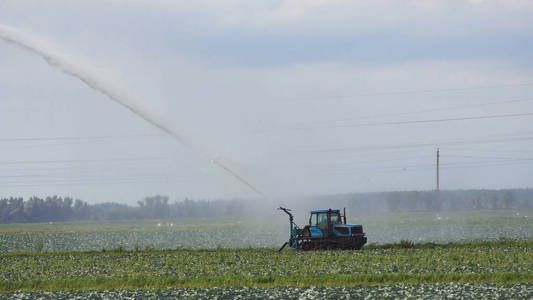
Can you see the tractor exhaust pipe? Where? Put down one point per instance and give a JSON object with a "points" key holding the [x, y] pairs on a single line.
{"points": [[344, 215]]}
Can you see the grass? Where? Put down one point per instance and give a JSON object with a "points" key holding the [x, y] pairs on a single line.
{"points": [[500, 262], [330, 280], [406, 244]]}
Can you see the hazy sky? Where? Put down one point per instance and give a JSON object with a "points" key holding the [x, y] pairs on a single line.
{"points": [[299, 97]]}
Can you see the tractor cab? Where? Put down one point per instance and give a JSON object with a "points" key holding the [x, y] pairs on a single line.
{"points": [[330, 222], [324, 220], [327, 229]]}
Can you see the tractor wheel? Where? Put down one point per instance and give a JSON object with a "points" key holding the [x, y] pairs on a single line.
{"points": [[306, 246]]}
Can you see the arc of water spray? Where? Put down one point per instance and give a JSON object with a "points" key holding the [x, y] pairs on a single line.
{"points": [[70, 66]]}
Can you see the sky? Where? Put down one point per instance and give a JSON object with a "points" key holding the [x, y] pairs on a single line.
{"points": [[297, 97]]}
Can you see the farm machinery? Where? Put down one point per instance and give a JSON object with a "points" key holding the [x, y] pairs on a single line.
{"points": [[327, 229]]}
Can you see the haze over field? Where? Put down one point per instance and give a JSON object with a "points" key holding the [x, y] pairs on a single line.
{"points": [[298, 97]]}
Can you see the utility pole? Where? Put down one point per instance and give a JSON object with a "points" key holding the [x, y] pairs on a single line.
{"points": [[437, 204], [438, 165]]}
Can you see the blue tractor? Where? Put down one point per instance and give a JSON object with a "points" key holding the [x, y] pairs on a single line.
{"points": [[327, 229]]}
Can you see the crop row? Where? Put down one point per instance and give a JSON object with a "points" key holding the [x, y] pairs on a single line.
{"points": [[438, 291], [215, 233], [211, 238], [243, 236], [514, 257]]}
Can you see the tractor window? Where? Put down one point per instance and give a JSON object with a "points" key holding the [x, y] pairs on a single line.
{"points": [[336, 219], [322, 221], [313, 220], [319, 219]]}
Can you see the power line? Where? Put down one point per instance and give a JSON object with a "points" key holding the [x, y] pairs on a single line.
{"points": [[104, 169], [368, 161], [394, 169], [406, 146], [52, 179], [486, 157], [434, 110], [97, 175], [70, 141], [519, 151], [405, 122], [445, 120], [103, 137], [422, 91], [81, 160], [420, 111], [121, 167], [82, 183]]}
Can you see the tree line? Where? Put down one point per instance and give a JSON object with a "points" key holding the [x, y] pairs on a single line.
{"points": [[55, 208], [449, 200]]}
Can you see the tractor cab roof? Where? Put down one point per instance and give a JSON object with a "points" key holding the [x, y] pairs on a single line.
{"points": [[318, 211]]}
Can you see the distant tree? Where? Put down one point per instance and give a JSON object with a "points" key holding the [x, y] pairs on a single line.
{"points": [[393, 203], [16, 209], [81, 209], [429, 197], [412, 200], [493, 201], [33, 208], [55, 208], [508, 199], [155, 206], [3, 210]]}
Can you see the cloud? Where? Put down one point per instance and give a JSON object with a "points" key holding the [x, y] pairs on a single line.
{"points": [[291, 16], [264, 33], [219, 70], [297, 9]]}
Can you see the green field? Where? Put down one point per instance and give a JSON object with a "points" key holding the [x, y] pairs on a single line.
{"points": [[476, 255], [496, 262], [266, 232], [398, 291]]}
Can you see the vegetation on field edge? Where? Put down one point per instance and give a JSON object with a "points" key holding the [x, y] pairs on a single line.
{"points": [[325, 280], [55, 208], [405, 244]]}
